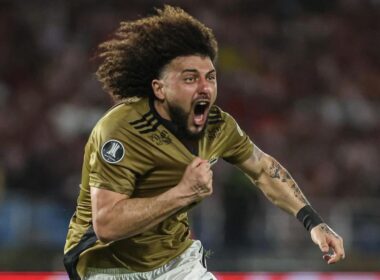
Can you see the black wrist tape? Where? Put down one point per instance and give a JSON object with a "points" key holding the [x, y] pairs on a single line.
{"points": [[308, 217]]}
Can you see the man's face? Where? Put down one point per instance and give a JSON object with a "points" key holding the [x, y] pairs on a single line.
{"points": [[185, 93]]}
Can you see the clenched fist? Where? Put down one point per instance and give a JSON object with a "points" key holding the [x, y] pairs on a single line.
{"points": [[196, 182]]}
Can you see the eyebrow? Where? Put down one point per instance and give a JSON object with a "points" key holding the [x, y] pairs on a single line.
{"points": [[196, 71]]}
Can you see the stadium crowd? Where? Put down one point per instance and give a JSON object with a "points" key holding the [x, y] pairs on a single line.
{"points": [[301, 77]]}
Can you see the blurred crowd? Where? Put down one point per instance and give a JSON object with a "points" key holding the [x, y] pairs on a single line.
{"points": [[301, 77]]}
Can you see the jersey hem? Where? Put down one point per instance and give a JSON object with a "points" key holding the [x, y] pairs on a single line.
{"points": [[109, 187]]}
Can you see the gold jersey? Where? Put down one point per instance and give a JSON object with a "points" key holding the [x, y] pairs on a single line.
{"points": [[133, 151]]}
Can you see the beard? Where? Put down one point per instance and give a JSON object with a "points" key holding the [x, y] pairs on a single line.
{"points": [[180, 118]]}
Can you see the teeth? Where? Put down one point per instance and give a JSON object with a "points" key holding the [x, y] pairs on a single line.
{"points": [[201, 107], [203, 103]]}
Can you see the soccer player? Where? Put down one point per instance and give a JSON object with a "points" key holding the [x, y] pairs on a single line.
{"points": [[148, 160]]}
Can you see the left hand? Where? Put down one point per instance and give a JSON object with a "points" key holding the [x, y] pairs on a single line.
{"points": [[327, 239]]}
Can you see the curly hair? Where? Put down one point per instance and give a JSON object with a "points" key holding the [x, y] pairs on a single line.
{"points": [[143, 47]]}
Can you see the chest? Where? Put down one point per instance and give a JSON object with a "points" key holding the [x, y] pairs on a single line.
{"points": [[170, 157]]}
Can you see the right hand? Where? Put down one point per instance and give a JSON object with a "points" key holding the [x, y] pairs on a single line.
{"points": [[328, 240], [196, 182]]}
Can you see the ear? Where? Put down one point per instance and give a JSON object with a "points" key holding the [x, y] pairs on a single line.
{"points": [[158, 91]]}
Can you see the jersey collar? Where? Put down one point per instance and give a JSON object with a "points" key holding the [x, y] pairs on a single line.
{"points": [[173, 128]]}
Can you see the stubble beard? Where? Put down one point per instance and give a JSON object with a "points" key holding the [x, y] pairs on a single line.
{"points": [[180, 118]]}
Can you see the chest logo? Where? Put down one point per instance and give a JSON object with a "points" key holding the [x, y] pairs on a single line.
{"points": [[113, 151], [161, 138]]}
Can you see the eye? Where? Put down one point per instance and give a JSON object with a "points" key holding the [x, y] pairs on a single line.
{"points": [[211, 77], [190, 79]]}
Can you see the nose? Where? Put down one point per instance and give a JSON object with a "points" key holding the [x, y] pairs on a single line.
{"points": [[204, 87]]}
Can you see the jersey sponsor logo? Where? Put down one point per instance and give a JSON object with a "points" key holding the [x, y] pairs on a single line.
{"points": [[161, 138], [113, 151]]}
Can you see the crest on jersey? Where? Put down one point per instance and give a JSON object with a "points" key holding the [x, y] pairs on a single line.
{"points": [[113, 151]]}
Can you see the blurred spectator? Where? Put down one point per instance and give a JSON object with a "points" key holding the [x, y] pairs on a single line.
{"points": [[302, 78]]}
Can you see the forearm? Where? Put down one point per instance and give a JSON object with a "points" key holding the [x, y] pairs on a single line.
{"points": [[282, 190], [279, 187], [274, 181], [117, 216], [130, 216]]}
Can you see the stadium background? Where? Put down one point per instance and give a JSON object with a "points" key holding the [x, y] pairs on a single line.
{"points": [[301, 77]]}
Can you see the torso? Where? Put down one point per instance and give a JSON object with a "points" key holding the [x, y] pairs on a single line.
{"points": [[154, 161]]}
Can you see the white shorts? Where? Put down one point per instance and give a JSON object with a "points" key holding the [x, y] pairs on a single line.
{"points": [[190, 265]]}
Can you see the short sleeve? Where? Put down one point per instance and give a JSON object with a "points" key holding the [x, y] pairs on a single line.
{"points": [[110, 163], [238, 147]]}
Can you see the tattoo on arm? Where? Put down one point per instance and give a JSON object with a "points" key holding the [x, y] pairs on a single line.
{"points": [[327, 230], [276, 171], [298, 194]]}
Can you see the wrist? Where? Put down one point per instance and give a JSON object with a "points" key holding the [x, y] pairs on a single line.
{"points": [[309, 217], [178, 197]]}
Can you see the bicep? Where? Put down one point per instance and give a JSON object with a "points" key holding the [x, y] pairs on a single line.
{"points": [[255, 164], [103, 201]]}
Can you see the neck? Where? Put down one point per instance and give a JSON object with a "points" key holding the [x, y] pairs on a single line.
{"points": [[161, 109]]}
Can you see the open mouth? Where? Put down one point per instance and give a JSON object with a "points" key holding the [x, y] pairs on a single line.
{"points": [[200, 111]]}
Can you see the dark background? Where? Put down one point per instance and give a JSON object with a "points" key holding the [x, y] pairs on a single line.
{"points": [[301, 78]]}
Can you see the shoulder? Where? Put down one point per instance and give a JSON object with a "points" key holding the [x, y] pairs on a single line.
{"points": [[218, 116], [221, 124], [114, 129], [113, 135], [117, 120], [225, 124]]}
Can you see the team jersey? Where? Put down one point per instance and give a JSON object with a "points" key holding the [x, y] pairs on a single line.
{"points": [[133, 151]]}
